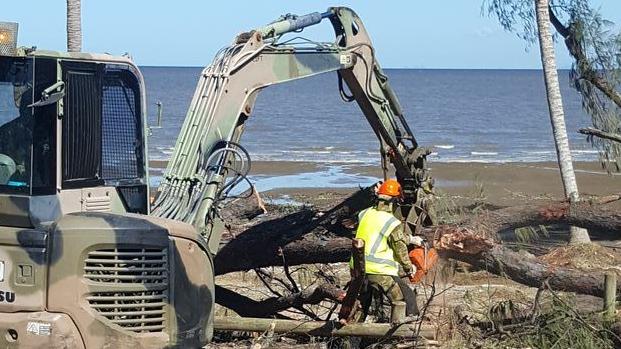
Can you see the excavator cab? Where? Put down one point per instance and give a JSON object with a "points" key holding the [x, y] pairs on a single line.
{"points": [[73, 128], [82, 265]]}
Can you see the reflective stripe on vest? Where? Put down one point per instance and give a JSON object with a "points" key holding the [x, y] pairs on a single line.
{"points": [[374, 228]]}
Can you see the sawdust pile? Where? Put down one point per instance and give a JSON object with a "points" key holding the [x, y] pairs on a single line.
{"points": [[587, 257]]}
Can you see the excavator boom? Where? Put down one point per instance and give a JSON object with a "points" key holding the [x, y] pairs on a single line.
{"points": [[208, 160]]}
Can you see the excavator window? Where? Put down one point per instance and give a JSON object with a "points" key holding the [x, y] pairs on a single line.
{"points": [[102, 126], [121, 126], [16, 123], [81, 148], [27, 134], [81, 153]]}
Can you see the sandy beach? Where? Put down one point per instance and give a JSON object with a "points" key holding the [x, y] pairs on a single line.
{"points": [[458, 186], [495, 183]]}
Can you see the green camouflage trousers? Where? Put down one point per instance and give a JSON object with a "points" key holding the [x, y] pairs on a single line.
{"points": [[387, 285], [402, 298]]}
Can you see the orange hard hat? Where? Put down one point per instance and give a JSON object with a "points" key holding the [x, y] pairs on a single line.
{"points": [[390, 188]]}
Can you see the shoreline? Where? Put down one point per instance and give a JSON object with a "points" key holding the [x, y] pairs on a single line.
{"points": [[495, 183], [274, 167]]}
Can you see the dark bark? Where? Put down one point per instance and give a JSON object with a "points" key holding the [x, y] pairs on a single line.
{"points": [[528, 270], [303, 237], [245, 306], [588, 73]]}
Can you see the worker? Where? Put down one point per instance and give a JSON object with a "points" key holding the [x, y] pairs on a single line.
{"points": [[385, 249]]}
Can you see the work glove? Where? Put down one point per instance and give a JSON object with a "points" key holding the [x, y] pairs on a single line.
{"points": [[412, 277], [416, 240]]}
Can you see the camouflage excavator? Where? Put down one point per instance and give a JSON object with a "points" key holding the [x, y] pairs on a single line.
{"points": [[85, 259]]}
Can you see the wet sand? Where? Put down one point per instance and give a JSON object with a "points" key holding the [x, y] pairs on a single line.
{"points": [[495, 183], [498, 184]]}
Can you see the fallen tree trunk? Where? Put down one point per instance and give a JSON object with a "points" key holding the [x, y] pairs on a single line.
{"points": [[305, 238], [302, 238], [584, 214], [527, 269], [323, 328]]}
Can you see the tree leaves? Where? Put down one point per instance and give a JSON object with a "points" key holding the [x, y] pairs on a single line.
{"points": [[596, 48]]}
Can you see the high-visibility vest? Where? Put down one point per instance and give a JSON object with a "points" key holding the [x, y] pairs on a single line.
{"points": [[374, 227]]}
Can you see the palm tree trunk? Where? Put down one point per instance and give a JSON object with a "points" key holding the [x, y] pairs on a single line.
{"points": [[74, 26], [557, 115]]}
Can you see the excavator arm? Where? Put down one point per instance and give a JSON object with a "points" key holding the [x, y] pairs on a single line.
{"points": [[208, 161]]}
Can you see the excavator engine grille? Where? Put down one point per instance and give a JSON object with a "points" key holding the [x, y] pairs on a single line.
{"points": [[137, 311], [144, 266], [119, 270]]}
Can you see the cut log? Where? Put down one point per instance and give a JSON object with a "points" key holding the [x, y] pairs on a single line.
{"points": [[322, 328], [475, 241], [350, 304], [527, 269]]}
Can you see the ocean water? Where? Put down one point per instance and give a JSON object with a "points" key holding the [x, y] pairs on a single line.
{"points": [[467, 115]]}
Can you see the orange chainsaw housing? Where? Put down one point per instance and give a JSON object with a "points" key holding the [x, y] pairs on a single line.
{"points": [[422, 262]]}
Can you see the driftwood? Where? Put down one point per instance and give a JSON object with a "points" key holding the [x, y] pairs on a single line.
{"points": [[323, 328], [306, 238]]}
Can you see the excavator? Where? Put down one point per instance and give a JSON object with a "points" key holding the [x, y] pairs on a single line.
{"points": [[87, 259]]}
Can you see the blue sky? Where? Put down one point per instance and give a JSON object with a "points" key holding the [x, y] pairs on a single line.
{"points": [[407, 34]]}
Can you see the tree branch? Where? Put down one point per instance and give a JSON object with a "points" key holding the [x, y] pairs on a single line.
{"points": [[245, 306], [590, 131], [587, 72], [560, 28]]}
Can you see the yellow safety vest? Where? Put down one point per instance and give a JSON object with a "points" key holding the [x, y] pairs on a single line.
{"points": [[374, 227]]}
